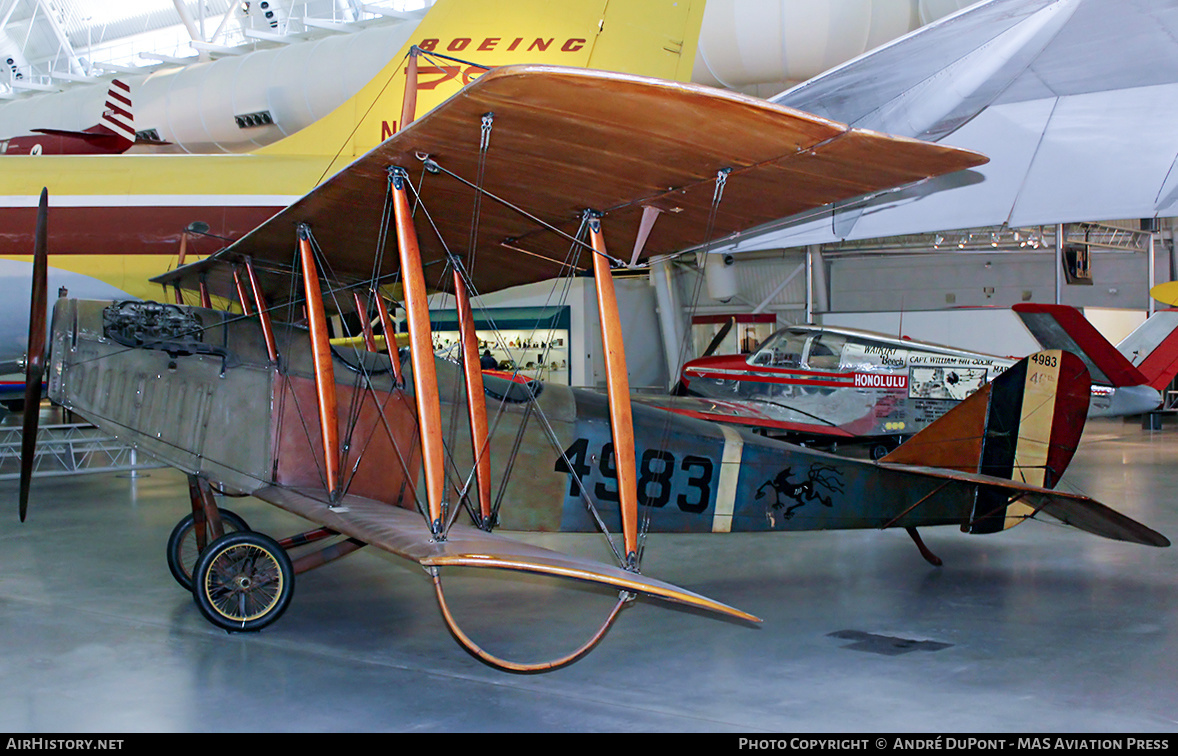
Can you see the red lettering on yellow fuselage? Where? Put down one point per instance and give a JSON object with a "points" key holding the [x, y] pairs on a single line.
{"points": [[491, 44]]}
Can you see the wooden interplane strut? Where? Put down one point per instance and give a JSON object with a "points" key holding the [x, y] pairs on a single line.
{"points": [[476, 399], [618, 390], [409, 102], [365, 323], [263, 311], [390, 336], [421, 350], [321, 356], [242, 297]]}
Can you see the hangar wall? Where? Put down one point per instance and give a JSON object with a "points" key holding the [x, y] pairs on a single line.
{"points": [[960, 299], [955, 279]]}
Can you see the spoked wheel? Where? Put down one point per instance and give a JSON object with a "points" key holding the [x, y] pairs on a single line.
{"points": [[182, 551], [243, 581]]}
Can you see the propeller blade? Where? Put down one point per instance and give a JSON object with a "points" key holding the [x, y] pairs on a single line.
{"points": [[35, 362], [719, 337], [679, 389]]}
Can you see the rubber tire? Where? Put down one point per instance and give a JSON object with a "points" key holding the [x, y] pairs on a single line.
{"points": [[220, 574], [183, 540]]}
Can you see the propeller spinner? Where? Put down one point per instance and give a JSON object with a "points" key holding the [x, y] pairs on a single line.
{"points": [[35, 362]]}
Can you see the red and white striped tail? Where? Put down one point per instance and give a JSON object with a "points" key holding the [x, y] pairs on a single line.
{"points": [[117, 116]]}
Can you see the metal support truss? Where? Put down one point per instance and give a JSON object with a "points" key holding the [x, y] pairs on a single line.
{"points": [[70, 450]]}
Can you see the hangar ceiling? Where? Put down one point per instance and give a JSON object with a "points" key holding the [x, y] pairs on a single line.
{"points": [[49, 44]]}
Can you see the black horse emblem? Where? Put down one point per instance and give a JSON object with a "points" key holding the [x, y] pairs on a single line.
{"points": [[821, 481]]}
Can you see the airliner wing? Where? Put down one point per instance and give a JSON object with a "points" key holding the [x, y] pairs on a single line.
{"points": [[561, 140], [1074, 101]]}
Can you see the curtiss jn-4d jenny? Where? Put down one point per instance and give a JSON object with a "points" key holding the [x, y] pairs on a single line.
{"points": [[425, 458]]}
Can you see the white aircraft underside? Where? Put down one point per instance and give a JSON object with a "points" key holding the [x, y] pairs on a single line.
{"points": [[1073, 101]]}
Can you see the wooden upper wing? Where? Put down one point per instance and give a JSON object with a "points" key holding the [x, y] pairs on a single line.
{"points": [[565, 140]]}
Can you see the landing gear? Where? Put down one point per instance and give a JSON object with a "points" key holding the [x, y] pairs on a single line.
{"points": [[885, 446], [929, 556], [243, 581], [182, 548]]}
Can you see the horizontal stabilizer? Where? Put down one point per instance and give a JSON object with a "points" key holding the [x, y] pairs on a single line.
{"points": [[1066, 328], [1098, 519], [88, 136], [404, 533], [1071, 509]]}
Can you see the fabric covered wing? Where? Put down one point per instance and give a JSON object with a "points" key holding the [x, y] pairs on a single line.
{"points": [[404, 533], [565, 140]]}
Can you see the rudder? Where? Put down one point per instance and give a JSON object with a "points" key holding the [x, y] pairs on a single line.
{"points": [[1024, 426]]}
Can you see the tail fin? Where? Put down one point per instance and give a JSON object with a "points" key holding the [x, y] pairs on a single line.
{"points": [[1153, 348], [118, 115], [1024, 426], [114, 133], [459, 38], [1065, 328]]}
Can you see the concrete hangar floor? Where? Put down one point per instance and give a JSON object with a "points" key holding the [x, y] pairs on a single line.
{"points": [[1039, 629]]}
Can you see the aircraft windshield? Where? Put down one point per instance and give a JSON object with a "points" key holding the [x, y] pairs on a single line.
{"points": [[782, 349]]}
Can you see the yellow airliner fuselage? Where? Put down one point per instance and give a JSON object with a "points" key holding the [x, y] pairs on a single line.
{"points": [[115, 221]]}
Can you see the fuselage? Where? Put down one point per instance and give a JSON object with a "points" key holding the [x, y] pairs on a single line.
{"points": [[64, 144], [116, 221], [209, 402]]}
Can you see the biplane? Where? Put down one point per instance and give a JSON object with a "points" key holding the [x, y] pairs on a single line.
{"points": [[817, 384], [520, 177]]}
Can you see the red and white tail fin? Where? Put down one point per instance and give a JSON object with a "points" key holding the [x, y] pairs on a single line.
{"points": [[1065, 328], [118, 115], [1153, 348]]}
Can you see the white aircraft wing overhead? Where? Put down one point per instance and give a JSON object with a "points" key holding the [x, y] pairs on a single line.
{"points": [[1075, 102]]}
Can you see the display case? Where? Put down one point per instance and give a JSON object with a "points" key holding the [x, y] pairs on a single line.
{"points": [[532, 340]]}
